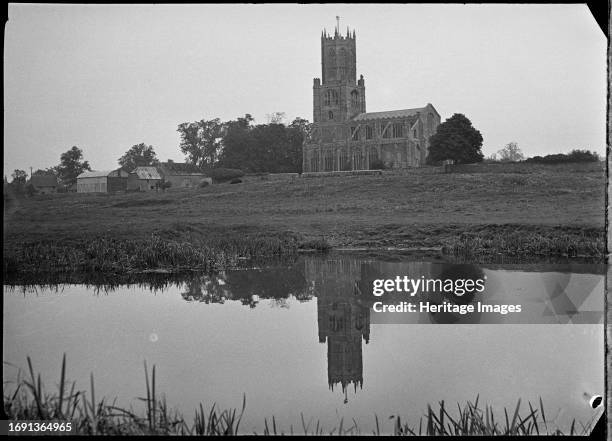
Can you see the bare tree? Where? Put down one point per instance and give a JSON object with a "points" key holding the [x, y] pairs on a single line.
{"points": [[510, 153]]}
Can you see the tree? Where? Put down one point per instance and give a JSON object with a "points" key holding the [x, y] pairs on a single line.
{"points": [[276, 117], [71, 165], [271, 148], [201, 141], [19, 177], [304, 126], [139, 155], [235, 152], [510, 153], [456, 139]]}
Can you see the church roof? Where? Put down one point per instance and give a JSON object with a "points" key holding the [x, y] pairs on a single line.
{"points": [[389, 114]]}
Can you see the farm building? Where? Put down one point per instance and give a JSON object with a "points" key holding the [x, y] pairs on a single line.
{"points": [[104, 181], [44, 183], [179, 174], [144, 179]]}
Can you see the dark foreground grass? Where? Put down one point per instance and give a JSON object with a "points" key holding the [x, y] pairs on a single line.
{"points": [[28, 400]]}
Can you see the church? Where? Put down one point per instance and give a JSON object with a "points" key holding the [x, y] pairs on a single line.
{"points": [[346, 137]]}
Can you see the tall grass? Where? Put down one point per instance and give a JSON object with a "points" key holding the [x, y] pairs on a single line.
{"points": [[106, 254], [585, 243], [28, 400]]}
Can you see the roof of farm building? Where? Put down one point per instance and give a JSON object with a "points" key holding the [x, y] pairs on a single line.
{"points": [[102, 173], [146, 173], [43, 180], [95, 174]]}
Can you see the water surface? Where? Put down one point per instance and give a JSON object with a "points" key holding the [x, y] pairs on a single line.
{"points": [[300, 338]]}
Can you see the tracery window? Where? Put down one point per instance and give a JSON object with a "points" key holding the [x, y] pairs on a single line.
{"points": [[355, 99], [372, 156], [331, 97], [329, 160], [398, 130], [386, 133]]}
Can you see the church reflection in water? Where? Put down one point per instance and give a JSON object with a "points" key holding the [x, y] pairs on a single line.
{"points": [[343, 315], [343, 289]]}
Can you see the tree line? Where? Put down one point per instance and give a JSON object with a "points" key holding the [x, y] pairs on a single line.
{"points": [[457, 140], [208, 144], [214, 145], [241, 144]]}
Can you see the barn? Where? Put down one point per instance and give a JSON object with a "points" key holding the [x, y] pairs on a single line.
{"points": [[44, 183], [181, 175], [144, 179], [103, 181]]}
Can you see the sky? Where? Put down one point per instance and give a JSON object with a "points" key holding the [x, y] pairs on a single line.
{"points": [[107, 77]]}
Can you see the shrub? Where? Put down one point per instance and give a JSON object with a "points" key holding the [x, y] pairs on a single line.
{"points": [[165, 184], [560, 158], [236, 181], [224, 174], [203, 184]]}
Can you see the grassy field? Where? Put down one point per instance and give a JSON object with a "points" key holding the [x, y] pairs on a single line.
{"points": [[507, 209]]}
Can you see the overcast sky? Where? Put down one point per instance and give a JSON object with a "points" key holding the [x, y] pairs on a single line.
{"points": [[106, 77]]}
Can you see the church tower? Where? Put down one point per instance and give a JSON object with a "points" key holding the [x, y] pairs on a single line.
{"points": [[344, 136], [337, 96]]}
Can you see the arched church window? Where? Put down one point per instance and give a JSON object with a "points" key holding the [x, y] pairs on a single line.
{"points": [[415, 133], [384, 130], [330, 115], [430, 122], [369, 132], [355, 99], [398, 130], [373, 154], [331, 98]]}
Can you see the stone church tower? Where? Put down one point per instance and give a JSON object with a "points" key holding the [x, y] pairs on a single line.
{"points": [[344, 136]]}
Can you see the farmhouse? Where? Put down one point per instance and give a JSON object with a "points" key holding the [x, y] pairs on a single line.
{"points": [[180, 174], [44, 183], [345, 136], [103, 181], [144, 179]]}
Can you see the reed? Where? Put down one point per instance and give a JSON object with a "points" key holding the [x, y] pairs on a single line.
{"points": [[91, 416], [572, 244], [124, 256]]}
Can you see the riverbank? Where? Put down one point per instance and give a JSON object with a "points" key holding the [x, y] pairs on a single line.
{"points": [[516, 210]]}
